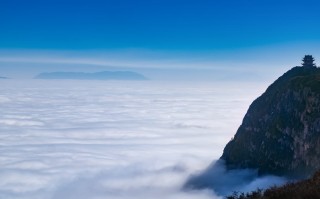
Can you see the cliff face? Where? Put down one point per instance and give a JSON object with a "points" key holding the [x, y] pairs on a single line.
{"points": [[280, 133]]}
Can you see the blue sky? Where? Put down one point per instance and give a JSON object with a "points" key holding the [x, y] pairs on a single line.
{"points": [[158, 30]]}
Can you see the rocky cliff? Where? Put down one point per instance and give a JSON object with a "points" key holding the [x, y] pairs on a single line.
{"points": [[280, 133]]}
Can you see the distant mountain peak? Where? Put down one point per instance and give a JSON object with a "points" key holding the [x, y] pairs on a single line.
{"points": [[104, 75]]}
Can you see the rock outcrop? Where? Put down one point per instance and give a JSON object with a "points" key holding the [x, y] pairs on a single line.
{"points": [[280, 133]]}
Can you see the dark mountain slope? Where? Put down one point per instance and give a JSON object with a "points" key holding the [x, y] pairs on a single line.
{"points": [[298, 190], [280, 133]]}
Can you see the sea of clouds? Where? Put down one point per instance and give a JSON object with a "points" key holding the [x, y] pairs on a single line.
{"points": [[115, 140]]}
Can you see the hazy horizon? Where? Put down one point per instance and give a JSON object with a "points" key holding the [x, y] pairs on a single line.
{"points": [[164, 40], [253, 65]]}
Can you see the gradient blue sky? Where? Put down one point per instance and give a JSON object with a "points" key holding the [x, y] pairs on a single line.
{"points": [[204, 31]]}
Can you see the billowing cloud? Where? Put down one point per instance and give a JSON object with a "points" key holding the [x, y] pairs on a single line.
{"points": [[84, 139], [225, 182]]}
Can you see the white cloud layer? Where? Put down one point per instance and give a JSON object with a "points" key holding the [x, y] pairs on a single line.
{"points": [[93, 139]]}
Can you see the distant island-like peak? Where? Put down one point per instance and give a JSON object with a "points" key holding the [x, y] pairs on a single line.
{"points": [[104, 75]]}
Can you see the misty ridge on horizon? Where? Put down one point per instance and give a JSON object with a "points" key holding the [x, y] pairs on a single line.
{"points": [[209, 75], [154, 67], [103, 75]]}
